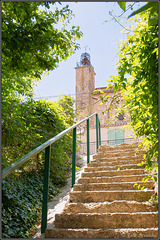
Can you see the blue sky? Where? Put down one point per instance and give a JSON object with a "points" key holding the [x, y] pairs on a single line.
{"points": [[101, 38]]}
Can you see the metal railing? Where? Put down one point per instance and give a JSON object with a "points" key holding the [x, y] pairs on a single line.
{"points": [[47, 146]]}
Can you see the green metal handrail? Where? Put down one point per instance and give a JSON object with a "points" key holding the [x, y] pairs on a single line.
{"points": [[47, 146]]}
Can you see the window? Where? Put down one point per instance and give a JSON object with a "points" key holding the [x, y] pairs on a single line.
{"points": [[115, 136], [120, 116]]}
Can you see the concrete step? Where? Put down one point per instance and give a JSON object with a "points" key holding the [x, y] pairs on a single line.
{"points": [[103, 196], [115, 162], [125, 178], [104, 207], [115, 167], [113, 186], [112, 173], [107, 220], [102, 233]]}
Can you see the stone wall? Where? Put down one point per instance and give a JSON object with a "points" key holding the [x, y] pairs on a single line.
{"points": [[85, 84]]}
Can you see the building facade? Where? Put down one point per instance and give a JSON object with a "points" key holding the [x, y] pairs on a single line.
{"points": [[115, 126]]}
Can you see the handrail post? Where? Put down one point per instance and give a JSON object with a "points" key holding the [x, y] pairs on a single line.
{"points": [[99, 134], [97, 130], [45, 189], [88, 142], [74, 157]]}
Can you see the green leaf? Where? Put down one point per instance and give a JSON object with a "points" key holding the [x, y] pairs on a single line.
{"points": [[101, 98], [122, 5], [135, 185], [144, 8], [153, 21], [94, 92]]}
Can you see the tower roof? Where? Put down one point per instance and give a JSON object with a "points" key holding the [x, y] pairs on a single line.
{"points": [[84, 60]]}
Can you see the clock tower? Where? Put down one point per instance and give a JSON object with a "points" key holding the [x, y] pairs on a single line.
{"points": [[85, 84]]}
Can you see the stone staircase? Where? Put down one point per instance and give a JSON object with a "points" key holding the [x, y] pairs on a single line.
{"points": [[104, 204]]}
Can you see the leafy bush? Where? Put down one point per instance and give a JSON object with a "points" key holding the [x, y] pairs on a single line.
{"points": [[22, 203], [26, 126], [29, 124]]}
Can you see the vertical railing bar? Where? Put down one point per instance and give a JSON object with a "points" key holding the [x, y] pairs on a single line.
{"points": [[99, 134], [74, 157], [88, 152], [97, 130], [45, 189]]}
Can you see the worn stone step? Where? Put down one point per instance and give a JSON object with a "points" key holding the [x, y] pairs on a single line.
{"points": [[112, 173], [125, 178], [113, 186], [123, 146], [113, 159], [111, 155], [127, 151], [117, 157], [107, 220], [115, 167], [120, 147], [104, 207], [103, 196], [112, 163], [120, 151], [117, 147], [103, 149], [117, 154], [102, 233]]}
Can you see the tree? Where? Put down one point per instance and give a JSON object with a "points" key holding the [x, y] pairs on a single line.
{"points": [[137, 78], [66, 104], [150, 5], [33, 43], [35, 39]]}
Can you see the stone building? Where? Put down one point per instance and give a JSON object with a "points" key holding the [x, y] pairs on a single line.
{"points": [[115, 126]]}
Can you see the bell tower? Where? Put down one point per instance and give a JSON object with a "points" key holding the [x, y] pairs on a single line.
{"points": [[85, 84]]}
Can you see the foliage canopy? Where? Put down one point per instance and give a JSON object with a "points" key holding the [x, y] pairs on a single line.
{"points": [[137, 77], [34, 41]]}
